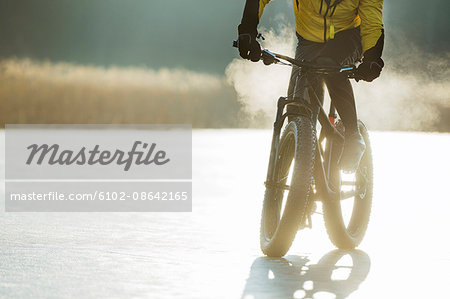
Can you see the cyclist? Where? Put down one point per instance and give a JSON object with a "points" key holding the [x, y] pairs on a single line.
{"points": [[329, 32]]}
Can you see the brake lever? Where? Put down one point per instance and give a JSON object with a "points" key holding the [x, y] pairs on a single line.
{"points": [[268, 57]]}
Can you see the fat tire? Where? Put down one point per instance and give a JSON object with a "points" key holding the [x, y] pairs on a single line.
{"points": [[278, 231], [350, 236]]}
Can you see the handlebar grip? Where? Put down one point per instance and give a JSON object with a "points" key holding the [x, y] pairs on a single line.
{"points": [[235, 44]]}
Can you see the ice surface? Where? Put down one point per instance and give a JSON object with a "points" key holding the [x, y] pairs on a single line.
{"points": [[214, 252]]}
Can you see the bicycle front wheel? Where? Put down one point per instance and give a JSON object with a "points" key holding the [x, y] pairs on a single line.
{"points": [[286, 197]]}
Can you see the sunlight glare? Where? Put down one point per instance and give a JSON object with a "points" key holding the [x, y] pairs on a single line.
{"points": [[340, 274], [308, 285], [299, 294], [324, 295]]}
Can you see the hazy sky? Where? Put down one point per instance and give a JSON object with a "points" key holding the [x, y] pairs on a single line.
{"points": [[193, 34]]}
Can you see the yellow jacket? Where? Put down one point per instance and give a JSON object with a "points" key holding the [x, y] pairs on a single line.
{"points": [[319, 20]]}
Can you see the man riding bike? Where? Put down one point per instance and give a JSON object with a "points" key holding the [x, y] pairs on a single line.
{"points": [[329, 32]]}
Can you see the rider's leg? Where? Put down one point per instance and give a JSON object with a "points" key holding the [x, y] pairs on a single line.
{"points": [[341, 93], [346, 49]]}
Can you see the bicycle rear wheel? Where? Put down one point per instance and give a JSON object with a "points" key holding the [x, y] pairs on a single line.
{"points": [[348, 232], [291, 184]]}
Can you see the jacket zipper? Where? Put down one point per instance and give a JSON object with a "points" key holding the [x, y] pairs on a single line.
{"points": [[335, 4]]}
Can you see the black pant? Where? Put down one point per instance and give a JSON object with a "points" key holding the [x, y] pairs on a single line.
{"points": [[344, 49]]}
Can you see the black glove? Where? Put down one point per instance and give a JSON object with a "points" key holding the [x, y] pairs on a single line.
{"points": [[249, 48], [372, 64], [369, 70]]}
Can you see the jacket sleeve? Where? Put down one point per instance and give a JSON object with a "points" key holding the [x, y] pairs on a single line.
{"points": [[372, 33], [253, 11]]}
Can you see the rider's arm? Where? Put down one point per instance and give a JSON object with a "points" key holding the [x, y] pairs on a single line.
{"points": [[372, 38], [253, 11], [372, 33]]}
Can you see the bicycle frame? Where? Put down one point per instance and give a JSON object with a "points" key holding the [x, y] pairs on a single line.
{"points": [[307, 107], [311, 107]]}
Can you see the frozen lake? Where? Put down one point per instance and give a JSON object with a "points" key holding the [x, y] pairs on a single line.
{"points": [[214, 252]]}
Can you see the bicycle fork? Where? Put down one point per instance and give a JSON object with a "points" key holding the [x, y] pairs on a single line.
{"points": [[277, 125], [301, 108]]}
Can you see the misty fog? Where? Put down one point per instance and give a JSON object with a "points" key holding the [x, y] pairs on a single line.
{"points": [[70, 52]]}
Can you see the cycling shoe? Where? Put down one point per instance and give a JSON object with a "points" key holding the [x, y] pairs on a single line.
{"points": [[352, 153]]}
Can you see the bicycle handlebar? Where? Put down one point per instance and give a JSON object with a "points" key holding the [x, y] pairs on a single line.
{"points": [[269, 57]]}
